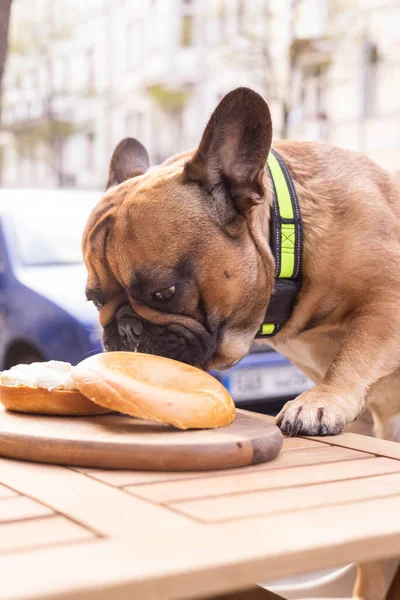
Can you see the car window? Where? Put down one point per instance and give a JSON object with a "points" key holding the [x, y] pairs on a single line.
{"points": [[2, 250], [48, 235]]}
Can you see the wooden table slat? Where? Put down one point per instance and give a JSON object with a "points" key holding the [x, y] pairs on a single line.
{"points": [[133, 478], [179, 490], [5, 492], [86, 500], [298, 443], [22, 535], [277, 501], [125, 478], [240, 553], [362, 443], [18, 508]]}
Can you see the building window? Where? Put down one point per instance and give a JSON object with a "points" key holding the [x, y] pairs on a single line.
{"points": [[369, 83], [66, 74], [222, 19], [90, 69], [90, 152], [33, 79], [134, 124], [129, 34], [18, 82], [32, 163], [135, 44], [186, 30], [313, 92], [8, 114], [240, 8]]}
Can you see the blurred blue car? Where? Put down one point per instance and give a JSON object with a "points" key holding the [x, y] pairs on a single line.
{"points": [[44, 314], [43, 310]]}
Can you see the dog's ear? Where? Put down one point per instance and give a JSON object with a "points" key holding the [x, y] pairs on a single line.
{"points": [[129, 159], [234, 149]]}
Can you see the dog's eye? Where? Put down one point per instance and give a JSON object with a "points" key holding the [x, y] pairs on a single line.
{"points": [[98, 304], [96, 298], [164, 294]]}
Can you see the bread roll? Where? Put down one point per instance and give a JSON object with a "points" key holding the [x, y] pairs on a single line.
{"points": [[44, 388], [39, 401], [155, 389]]}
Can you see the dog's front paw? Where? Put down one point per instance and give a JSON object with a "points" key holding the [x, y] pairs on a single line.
{"points": [[317, 412]]}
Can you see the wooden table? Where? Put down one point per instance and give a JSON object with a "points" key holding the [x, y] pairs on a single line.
{"points": [[85, 533]]}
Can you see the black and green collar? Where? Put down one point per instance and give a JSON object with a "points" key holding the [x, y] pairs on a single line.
{"points": [[286, 233]]}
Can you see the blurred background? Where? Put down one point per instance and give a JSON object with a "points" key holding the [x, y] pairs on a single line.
{"points": [[80, 76]]}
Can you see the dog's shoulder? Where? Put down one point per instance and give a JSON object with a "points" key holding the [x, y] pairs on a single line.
{"points": [[321, 161]]}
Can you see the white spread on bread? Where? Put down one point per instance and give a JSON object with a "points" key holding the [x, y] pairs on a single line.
{"points": [[52, 375], [140, 385]]}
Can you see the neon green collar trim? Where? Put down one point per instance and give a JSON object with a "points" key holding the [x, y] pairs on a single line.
{"points": [[286, 244]]}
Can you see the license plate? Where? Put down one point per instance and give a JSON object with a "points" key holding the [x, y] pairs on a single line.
{"points": [[271, 382]]}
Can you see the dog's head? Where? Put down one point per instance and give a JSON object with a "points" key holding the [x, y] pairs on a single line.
{"points": [[177, 255]]}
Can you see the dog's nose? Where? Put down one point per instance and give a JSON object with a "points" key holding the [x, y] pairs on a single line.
{"points": [[129, 324]]}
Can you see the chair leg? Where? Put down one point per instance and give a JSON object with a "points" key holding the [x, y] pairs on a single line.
{"points": [[394, 590], [370, 583]]}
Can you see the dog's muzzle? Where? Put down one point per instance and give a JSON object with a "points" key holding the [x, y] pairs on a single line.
{"points": [[129, 325], [129, 332]]}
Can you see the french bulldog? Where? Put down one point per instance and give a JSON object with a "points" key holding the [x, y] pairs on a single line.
{"points": [[179, 264]]}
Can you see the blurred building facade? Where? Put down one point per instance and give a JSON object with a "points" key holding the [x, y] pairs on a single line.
{"points": [[83, 75]]}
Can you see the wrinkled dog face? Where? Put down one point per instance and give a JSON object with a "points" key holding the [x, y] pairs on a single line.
{"points": [[172, 256]]}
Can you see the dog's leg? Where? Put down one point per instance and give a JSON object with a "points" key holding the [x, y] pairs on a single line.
{"points": [[383, 401], [370, 351], [363, 425]]}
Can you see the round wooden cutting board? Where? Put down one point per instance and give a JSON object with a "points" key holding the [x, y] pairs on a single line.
{"points": [[116, 441]]}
